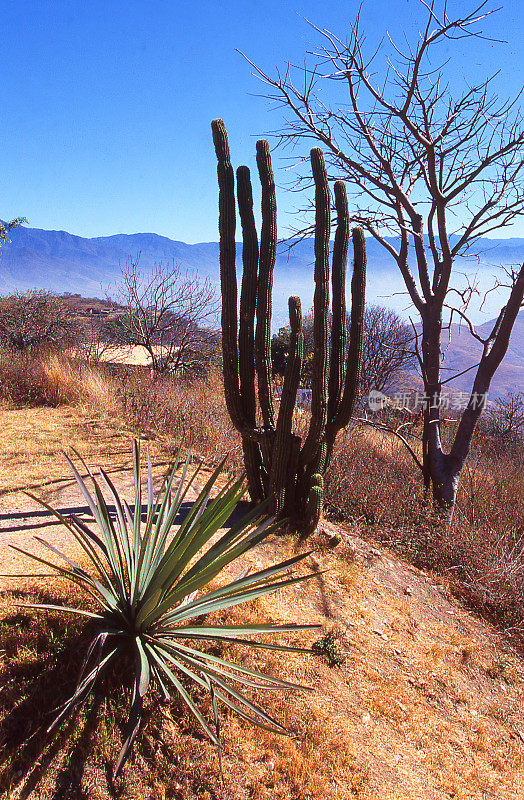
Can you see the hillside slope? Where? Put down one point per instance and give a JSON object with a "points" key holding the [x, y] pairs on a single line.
{"points": [[426, 703]]}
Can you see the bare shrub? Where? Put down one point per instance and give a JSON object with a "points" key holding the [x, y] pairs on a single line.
{"points": [[36, 320], [505, 420]]}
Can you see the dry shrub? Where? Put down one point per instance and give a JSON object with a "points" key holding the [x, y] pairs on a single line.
{"points": [[368, 472], [40, 379], [374, 483], [192, 411], [34, 380]]}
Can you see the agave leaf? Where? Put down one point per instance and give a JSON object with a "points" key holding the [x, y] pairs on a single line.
{"points": [[74, 566], [90, 536], [137, 517], [82, 689], [243, 700], [150, 493], [225, 669], [163, 524], [143, 668], [133, 726], [128, 514], [68, 609], [124, 535], [85, 544], [191, 652], [202, 630], [98, 515], [217, 723], [163, 565], [256, 709], [176, 560], [248, 642], [73, 577], [158, 677], [156, 653], [201, 606], [252, 720], [197, 577], [258, 577]]}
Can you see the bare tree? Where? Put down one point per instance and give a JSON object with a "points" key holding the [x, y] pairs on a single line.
{"points": [[37, 319], [167, 312], [388, 350], [418, 162]]}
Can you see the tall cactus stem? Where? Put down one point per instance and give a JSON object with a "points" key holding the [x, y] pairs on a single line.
{"points": [[338, 316], [290, 504], [246, 336], [228, 279], [356, 332], [282, 443], [268, 250], [320, 309], [248, 294]]}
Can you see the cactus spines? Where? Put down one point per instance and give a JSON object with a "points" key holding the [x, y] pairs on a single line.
{"points": [[278, 465], [246, 344], [313, 507], [356, 333], [228, 278]]}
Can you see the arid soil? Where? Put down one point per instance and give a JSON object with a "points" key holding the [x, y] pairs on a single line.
{"points": [[425, 702]]}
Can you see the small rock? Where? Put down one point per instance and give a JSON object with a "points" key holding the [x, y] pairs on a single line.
{"points": [[366, 718], [408, 590]]}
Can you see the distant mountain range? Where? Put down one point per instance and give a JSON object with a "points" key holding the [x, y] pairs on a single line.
{"points": [[463, 351], [62, 262]]}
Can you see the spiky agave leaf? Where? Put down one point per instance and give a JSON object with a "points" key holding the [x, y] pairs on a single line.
{"points": [[149, 572]]}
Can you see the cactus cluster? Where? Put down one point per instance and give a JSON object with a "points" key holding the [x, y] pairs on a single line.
{"points": [[279, 465]]}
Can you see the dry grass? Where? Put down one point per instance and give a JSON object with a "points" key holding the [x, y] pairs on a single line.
{"points": [[415, 709], [373, 482], [194, 412], [426, 701]]}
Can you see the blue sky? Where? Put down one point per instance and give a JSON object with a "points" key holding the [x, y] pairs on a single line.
{"points": [[106, 105]]}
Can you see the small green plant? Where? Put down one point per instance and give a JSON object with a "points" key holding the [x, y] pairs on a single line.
{"points": [[330, 648], [150, 580]]}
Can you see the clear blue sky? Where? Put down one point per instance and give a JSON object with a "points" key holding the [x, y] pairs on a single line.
{"points": [[106, 105]]}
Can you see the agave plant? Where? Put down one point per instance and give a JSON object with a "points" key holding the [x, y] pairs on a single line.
{"points": [[149, 574]]}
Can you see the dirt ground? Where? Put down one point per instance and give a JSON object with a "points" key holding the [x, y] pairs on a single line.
{"points": [[425, 704]]}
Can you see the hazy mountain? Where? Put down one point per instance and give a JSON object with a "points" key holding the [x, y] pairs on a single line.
{"points": [[464, 351], [62, 262]]}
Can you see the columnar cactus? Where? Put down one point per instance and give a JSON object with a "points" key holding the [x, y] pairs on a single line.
{"points": [[279, 466]]}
